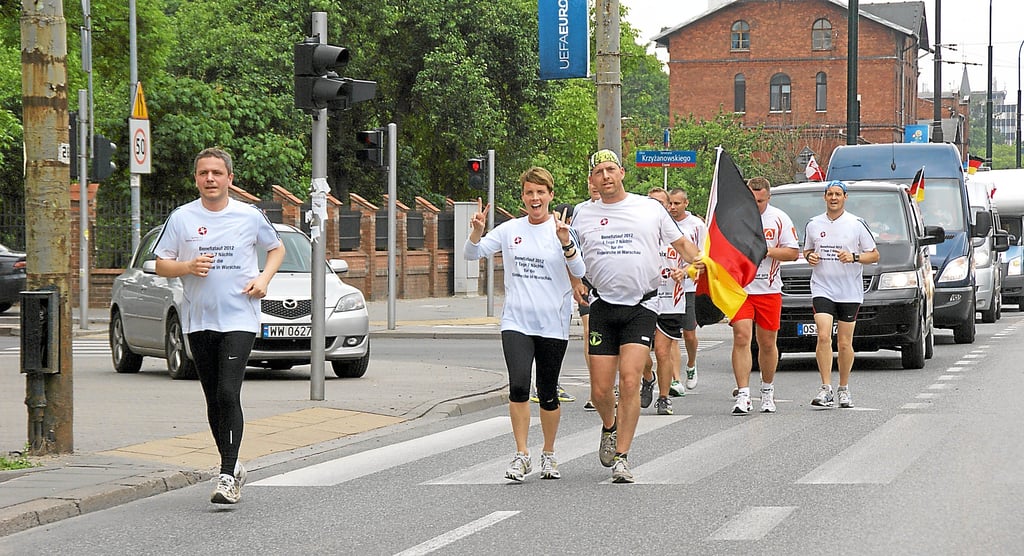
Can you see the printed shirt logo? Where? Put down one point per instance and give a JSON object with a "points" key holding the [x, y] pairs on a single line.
{"points": [[769, 234], [823, 234], [202, 230], [604, 221], [517, 240]]}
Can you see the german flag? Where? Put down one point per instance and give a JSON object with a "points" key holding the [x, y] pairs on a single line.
{"points": [[734, 246], [973, 163], [917, 188]]}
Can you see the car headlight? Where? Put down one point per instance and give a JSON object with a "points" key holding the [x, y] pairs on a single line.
{"points": [[1014, 268], [897, 280], [982, 257], [957, 269], [351, 302]]}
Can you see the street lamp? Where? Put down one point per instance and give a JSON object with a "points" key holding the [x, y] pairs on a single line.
{"points": [[1018, 101]]}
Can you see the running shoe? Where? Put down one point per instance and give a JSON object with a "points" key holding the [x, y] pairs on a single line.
{"points": [[620, 471], [743, 405], [606, 451], [845, 401], [564, 396], [589, 406], [691, 377], [825, 398], [240, 475], [676, 389], [549, 466], [534, 397], [227, 491], [646, 392], [767, 400], [519, 468], [664, 406]]}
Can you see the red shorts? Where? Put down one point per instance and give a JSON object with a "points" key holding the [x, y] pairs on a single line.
{"points": [[764, 309]]}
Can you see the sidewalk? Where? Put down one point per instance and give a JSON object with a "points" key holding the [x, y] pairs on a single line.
{"points": [[74, 484]]}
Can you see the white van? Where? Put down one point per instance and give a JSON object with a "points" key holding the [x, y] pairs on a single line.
{"points": [[987, 269], [1008, 197]]}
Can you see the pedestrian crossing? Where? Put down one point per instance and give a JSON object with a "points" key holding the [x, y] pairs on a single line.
{"points": [[83, 347]]}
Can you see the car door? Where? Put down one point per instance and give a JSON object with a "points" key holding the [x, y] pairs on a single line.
{"points": [[144, 297]]}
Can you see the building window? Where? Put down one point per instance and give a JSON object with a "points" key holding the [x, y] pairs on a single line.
{"points": [[820, 91], [739, 91], [741, 35], [781, 93], [821, 35]]}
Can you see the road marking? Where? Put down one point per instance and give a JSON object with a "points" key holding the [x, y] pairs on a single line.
{"points": [[915, 405], [707, 456], [752, 524], [940, 386], [566, 449], [466, 530], [950, 377], [965, 362], [337, 471], [955, 370], [884, 453], [973, 355], [927, 395]]}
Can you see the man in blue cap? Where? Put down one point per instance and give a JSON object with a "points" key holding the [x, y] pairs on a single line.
{"points": [[836, 245]]}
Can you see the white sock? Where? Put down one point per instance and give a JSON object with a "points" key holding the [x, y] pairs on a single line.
{"points": [[745, 391]]}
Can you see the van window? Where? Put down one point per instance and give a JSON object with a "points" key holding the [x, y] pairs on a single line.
{"points": [[942, 204], [1012, 224], [882, 211]]}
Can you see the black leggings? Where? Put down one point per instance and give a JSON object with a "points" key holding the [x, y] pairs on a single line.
{"points": [[220, 359], [520, 353]]}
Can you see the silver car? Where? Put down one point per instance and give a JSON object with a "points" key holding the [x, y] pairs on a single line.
{"points": [[145, 309]]}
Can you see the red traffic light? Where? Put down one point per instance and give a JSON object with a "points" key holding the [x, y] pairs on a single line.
{"points": [[475, 165]]}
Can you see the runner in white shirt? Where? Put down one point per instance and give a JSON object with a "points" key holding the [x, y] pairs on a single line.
{"points": [[620, 238], [211, 244], [694, 228], [759, 316], [538, 253], [836, 244]]}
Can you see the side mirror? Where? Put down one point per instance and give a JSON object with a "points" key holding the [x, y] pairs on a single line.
{"points": [[982, 225], [149, 267], [1000, 241], [933, 235], [338, 266]]}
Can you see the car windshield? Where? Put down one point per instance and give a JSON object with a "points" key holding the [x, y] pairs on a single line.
{"points": [[297, 253], [942, 204], [880, 210]]}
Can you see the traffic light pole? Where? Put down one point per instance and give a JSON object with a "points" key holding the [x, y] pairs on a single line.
{"points": [[84, 117], [392, 222], [318, 200], [490, 226]]}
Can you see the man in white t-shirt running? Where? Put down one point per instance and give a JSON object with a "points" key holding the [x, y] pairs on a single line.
{"points": [[759, 316], [620, 237], [836, 244]]}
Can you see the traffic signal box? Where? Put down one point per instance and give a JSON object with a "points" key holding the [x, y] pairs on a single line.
{"points": [[102, 153], [371, 144], [318, 86], [477, 173]]}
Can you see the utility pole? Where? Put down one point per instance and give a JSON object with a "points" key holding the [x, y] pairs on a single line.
{"points": [[988, 88], [852, 97], [937, 98], [47, 197], [609, 77]]}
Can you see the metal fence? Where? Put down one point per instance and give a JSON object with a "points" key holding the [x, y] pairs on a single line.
{"points": [[112, 240]]}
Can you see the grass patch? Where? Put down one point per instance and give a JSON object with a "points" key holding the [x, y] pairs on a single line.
{"points": [[15, 461]]}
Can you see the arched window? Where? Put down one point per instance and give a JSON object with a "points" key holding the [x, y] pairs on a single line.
{"points": [[821, 35], [741, 35], [739, 91], [820, 91], [781, 93]]}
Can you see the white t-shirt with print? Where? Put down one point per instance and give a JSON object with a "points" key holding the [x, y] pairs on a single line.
{"points": [[838, 281], [778, 232]]}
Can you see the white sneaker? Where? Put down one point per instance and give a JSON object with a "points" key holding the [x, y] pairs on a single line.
{"points": [[691, 377], [227, 491], [743, 405], [676, 389], [240, 474], [549, 466], [845, 401], [520, 467], [767, 400], [825, 397]]}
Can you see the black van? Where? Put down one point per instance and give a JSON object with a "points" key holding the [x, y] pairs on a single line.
{"points": [[898, 290]]}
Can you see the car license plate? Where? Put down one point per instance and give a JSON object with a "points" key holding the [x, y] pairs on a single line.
{"points": [[287, 331], [811, 329]]}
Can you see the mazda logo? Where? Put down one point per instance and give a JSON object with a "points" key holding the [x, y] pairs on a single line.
{"points": [[290, 303]]}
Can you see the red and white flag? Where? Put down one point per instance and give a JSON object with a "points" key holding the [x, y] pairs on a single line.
{"points": [[813, 171]]}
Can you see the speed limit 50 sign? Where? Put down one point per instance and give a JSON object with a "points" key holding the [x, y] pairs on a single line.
{"points": [[141, 149]]}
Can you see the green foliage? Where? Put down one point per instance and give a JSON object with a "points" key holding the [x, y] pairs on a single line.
{"points": [[15, 461]]}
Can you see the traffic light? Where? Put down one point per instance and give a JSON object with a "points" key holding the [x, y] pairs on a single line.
{"points": [[318, 86], [102, 158], [372, 143], [477, 173]]}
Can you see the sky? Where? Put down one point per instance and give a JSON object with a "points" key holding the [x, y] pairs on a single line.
{"points": [[965, 24]]}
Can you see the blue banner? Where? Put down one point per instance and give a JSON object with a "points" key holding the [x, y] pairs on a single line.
{"points": [[915, 134], [564, 38]]}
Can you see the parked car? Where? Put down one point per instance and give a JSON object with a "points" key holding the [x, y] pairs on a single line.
{"points": [[12, 277], [897, 312], [145, 309]]}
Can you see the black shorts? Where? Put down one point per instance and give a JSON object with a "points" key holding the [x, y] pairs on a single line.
{"points": [[843, 312], [671, 325], [612, 326], [584, 310]]}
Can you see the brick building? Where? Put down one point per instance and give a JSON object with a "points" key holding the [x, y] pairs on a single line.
{"points": [[782, 64]]}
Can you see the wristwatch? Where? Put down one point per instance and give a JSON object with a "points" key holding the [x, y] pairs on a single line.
{"points": [[856, 257]]}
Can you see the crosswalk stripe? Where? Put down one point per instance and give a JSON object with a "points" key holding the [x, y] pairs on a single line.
{"points": [[709, 455], [466, 530], [883, 454], [337, 471], [566, 449], [752, 524]]}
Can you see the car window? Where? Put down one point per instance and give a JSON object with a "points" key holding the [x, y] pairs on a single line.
{"points": [[881, 210], [297, 253], [145, 251]]}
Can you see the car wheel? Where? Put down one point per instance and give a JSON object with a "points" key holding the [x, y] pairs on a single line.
{"points": [[352, 368], [992, 313], [913, 355], [965, 333], [125, 361], [179, 366], [4, 307], [929, 344]]}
